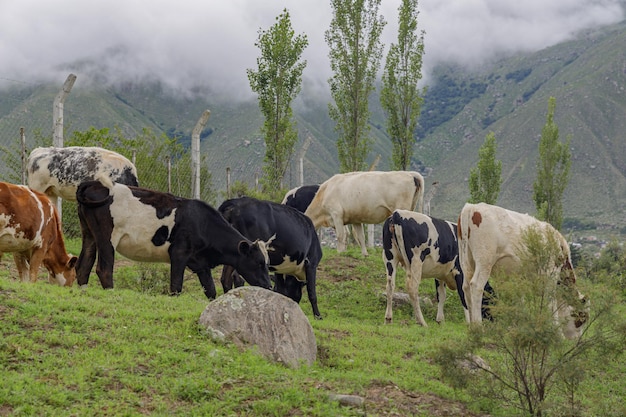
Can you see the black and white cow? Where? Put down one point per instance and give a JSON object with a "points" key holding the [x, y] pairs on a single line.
{"points": [[300, 197], [427, 248], [58, 171], [294, 251], [151, 226]]}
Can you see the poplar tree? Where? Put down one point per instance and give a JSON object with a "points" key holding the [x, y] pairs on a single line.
{"points": [[355, 53], [552, 171], [400, 98], [485, 178], [278, 80]]}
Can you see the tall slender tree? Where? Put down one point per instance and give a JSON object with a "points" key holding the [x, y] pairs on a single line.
{"points": [[278, 80], [355, 54], [552, 171], [485, 178], [400, 97]]}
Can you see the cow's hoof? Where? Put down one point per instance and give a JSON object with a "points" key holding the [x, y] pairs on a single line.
{"points": [[317, 317], [388, 321]]}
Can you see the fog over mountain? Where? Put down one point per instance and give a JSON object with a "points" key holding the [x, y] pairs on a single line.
{"points": [[186, 44]]}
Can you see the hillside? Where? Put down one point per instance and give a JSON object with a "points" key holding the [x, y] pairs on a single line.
{"points": [[587, 77]]}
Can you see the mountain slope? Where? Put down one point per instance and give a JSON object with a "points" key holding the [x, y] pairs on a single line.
{"points": [[587, 76], [588, 79]]}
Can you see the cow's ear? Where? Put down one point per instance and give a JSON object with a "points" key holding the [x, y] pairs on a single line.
{"points": [[72, 262], [244, 247]]}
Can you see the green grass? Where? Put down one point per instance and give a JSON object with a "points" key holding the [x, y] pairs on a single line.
{"points": [[69, 351]]}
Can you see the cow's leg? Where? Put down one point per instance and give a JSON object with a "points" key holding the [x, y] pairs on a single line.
{"points": [[104, 267], [340, 231], [35, 261], [391, 266], [206, 280], [441, 299], [474, 291], [22, 266], [413, 279], [459, 290], [359, 234], [311, 278], [227, 278], [489, 296], [88, 253]]}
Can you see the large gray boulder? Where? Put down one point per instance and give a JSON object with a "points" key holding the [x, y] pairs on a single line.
{"points": [[274, 324]]}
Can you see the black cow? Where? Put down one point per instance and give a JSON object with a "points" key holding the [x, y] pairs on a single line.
{"points": [[151, 226], [294, 248], [300, 197], [427, 248]]}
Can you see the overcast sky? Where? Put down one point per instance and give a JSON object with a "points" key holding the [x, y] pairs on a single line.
{"points": [[211, 42]]}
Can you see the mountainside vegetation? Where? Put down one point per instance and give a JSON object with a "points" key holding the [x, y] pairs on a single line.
{"points": [[509, 97]]}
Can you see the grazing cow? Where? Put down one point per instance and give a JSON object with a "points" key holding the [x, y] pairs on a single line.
{"points": [[30, 228], [58, 171], [427, 248], [300, 197], [151, 226], [294, 252], [492, 237], [359, 198]]}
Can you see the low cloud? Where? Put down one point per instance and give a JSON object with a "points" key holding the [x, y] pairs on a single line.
{"points": [[186, 44]]}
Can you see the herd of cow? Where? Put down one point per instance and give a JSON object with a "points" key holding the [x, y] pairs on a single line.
{"points": [[252, 238]]}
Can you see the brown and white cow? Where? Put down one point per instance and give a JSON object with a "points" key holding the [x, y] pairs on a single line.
{"points": [[492, 237], [359, 198], [152, 226], [58, 171], [30, 228]]}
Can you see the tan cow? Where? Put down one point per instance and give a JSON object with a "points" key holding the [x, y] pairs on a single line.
{"points": [[359, 198], [30, 228], [491, 237]]}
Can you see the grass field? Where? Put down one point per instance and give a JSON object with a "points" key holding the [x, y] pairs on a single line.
{"points": [[90, 352]]}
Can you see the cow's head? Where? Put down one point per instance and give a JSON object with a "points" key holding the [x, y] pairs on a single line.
{"points": [[252, 263], [574, 311], [64, 274]]}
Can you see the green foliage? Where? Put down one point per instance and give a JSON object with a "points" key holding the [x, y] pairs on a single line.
{"points": [[147, 278], [241, 189], [524, 361], [277, 81], [355, 53], [552, 171], [485, 179], [445, 98], [610, 267], [400, 98], [518, 75]]}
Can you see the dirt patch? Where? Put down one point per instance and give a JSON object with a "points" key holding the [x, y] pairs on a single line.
{"points": [[386, 399]]}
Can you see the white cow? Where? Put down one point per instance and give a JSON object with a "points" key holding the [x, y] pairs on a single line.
{"points": [[491, 237], [359, 198], [57, 172]]}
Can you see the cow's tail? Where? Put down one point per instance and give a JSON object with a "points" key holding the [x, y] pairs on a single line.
{"points": [[105, 180], [462, 230], [95, 193], [418, 199]]}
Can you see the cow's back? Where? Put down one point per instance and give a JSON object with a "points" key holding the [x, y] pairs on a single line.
{"points": [[366, 197], [57, 172], [494, 236], [300, 197]]}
